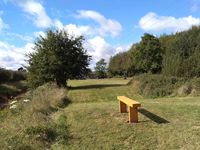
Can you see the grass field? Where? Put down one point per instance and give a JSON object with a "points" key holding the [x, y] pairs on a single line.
{"points": [[95, 123]]}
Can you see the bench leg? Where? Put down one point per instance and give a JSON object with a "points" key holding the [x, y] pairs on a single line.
{"points": [[122, 107], [133, 115]]}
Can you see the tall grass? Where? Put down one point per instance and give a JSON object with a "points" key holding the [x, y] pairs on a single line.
{"points": [[31, 126]]}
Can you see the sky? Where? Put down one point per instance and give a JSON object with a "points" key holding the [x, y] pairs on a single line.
{"points": [[109, 26]]}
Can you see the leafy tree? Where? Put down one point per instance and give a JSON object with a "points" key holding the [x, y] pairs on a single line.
{"points": [[120, 64], [100, 69], [147, 55], [57, 57], [182, 51]]}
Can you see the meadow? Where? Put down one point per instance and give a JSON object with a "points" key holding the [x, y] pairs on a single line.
{"points": [[95, 122], [92, 120]]}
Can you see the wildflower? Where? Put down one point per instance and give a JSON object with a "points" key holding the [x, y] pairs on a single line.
{"points": [[13, 102], [13, 107]]}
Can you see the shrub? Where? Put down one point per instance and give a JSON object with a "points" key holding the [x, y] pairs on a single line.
{"points": [[48, 98], [11, 76], [150, 85], [190, 88]]}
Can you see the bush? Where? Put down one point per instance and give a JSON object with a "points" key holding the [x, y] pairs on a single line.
{"points": [[11, 76], [48, 98], [190, 88], [150, 85]]}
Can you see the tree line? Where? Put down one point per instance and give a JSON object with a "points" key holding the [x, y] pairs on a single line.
{"points": [[171, 55], [60, 56]]}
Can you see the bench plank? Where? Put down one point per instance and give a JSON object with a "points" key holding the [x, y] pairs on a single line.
{"points": [[128, 101]]}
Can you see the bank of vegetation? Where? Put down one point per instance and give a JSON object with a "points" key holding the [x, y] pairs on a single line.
{"points": [[166, 65]]}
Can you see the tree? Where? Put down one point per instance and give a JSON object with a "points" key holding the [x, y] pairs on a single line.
{"points": [[57, 57], [182, 52], [100, 68], [147, 55], [120, 64]]}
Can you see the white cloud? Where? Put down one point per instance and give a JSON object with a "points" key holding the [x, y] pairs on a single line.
{"points": [[19, 36], [40, 18], [154, 22], [123, 48], [13, 57], [107, 26], [98, 48], [58, 24], [3, 25], [76, 30], [39, 33], [37, 13]]}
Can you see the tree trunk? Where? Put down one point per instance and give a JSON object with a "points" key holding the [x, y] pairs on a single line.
{"points": [[61, 82]]}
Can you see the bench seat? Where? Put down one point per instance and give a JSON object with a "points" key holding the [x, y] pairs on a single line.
{"points": [[129, 101]]}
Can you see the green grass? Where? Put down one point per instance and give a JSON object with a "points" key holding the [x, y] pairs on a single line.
{"points": [[92, 120], [99, 90], [95, 122], [30, 126], [96, 82]]}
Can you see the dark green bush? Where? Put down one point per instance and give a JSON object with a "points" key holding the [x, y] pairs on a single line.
{"points": [[157, 85], [11, 76]]}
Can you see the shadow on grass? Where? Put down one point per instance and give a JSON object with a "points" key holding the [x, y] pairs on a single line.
{"points": [[65, 102], [96, 86], [153, 117]]}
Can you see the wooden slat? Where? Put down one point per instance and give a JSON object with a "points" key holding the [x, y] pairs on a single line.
{"points": [[128, 101]]}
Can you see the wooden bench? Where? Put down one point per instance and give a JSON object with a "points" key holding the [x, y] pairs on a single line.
{"points": [[132, 108]]}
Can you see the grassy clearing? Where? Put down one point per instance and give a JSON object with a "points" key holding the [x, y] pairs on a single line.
{"points": [[96, 82], [92, 120], [99, 90], [95, 123]]}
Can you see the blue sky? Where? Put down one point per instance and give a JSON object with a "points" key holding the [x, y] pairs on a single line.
{"points": [[108, 26]]}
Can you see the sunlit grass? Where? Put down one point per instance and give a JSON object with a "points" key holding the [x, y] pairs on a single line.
{"points": [[95, 121], [92, 121]]}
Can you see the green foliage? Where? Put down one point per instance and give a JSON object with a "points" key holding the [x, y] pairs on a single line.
{"points": [[182, 51], [11, 76], [31, 125], [57, 57], [150, 85], [49, 134], [172, 55], [47, 98], [10, 90], [147, 55], [120, 64], [100, 69]]}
